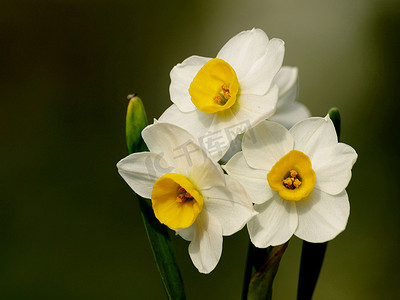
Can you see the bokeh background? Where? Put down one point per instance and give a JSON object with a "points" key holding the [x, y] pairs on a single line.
{"points": [[69, 225]]}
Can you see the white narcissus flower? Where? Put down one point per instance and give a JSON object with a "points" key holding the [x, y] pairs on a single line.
{"points": [[297, 180], [188, 190], [217, 99]]}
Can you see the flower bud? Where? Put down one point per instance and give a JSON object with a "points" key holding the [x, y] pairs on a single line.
{"points": [[334, 115], [136, 120]]}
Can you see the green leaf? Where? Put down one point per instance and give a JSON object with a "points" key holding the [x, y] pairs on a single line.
{"points": [[312, 254], [162, 251], [157, 233], [261, 268]]}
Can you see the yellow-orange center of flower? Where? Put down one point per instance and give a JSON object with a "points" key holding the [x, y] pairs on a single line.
{"points": [[292, 176], [215, 87], [176, 201]]}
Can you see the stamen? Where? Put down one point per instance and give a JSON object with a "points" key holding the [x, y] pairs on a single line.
{"points": [[225, 88], [183, 196], [287, 181], [224, 95], [219, 100], [296, 183], [180, 199], [292, 181]]}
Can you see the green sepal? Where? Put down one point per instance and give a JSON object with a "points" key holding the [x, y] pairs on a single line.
{"points": [[312, 254], [157, 233]]}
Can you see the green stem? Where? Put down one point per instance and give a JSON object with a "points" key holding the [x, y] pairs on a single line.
{"points": [[248, 270], [156, 232], [312, 255], [261, 268]]}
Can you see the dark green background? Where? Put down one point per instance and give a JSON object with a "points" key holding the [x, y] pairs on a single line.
{"points": [[70, 226]]}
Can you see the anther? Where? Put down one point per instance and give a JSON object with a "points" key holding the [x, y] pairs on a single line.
{"points": [[188, 196], [218, 99], [296, 183], [180, 198], [292, 180], [223, 96], [183, 196]]}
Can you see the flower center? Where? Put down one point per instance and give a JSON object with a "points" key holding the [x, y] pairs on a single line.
{"points": [[224, 95], [183, 196], [292, 180], [215, 87], [176, 201], [292, 176]]}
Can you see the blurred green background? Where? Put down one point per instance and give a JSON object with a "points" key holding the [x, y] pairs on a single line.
{"points": [[69, 225]]}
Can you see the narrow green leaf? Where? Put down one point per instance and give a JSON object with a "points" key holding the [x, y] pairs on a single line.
{"points": [[312, 254], [162, 251], [156, 232], [261, 268]]}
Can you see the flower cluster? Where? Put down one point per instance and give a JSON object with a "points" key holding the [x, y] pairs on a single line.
{"points": [[285, 175]]}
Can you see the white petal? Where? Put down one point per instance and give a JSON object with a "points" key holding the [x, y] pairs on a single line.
{"points": [[206, 173], [214, 140], [312, 134], [259, 78], [228, 124], [322, 216], [290, 113], [231, 205], [265, 144], [252, 109], [141, 170], [244, 49], [253, 180], [275, 223], [234, 147], [332, 166], [221, 133], [181, 77], [187, 233], [287, 82], [179, 148], [206, 247], [195, 122]]}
